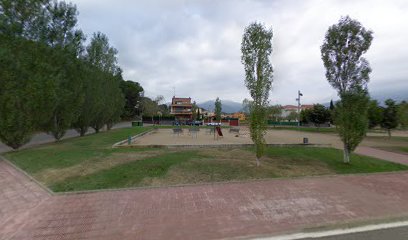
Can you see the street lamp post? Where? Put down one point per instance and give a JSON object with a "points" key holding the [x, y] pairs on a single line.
{"points": [[298, 100]]}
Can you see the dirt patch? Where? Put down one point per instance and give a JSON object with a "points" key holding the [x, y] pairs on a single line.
{"points": [[93, 165], [217, 165]]}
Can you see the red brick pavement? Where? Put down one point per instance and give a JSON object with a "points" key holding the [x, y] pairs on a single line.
{"points": [[202, 212], [18, 195]]}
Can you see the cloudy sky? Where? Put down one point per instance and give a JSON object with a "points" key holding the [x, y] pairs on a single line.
{"points": [[194, 46]]}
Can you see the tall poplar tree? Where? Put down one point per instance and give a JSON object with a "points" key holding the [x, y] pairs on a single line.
{"points": [[348, 72], [66, 40], [107, 96], [218, 109], [25, 85], [390, 116], [256, 48]]}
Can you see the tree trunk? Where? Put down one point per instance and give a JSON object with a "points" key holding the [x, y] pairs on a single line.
{"points": [[389, 133], [258, 163], [82, 131], [57, 135], [109, 126], [346, 155]]}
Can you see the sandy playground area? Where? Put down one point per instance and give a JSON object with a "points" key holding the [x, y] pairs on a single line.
{"points": [[166, 137]]}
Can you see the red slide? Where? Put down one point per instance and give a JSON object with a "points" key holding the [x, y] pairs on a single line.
{"points": [[219, 131]]}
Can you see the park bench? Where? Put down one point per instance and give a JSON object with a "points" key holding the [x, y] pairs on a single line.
{"points": [[193, 131], [177, 131]]}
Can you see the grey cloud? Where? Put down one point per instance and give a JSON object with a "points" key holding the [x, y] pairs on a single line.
{"points": [[194, 46]]}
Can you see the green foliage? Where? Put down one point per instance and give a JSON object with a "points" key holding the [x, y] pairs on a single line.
{"points": [[403, 114], [390, 116], [88, 109], [217, 109], [16, 127], [348, 73], [194, 110], [115, 100], [319, 114], [101, 54], [22, 18], [306, 116], [331, 107], [25, 89], [189, 166], [199, 115], [293, 116], [67, 93], [72, 151], [246, 106], [341, 51], [256, 48], [45, 82], [126, 175], [375, 114], [132, 91], [108, 97], [351, 120], [60, 31], [275, 112], [329, 156], [258, 126], [150, 107]]}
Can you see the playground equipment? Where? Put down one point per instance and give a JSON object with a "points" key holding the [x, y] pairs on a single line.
{"points": [[177, 131], [193, 131], [218, 132]]}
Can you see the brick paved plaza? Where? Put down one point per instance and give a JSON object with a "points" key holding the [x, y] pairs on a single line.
{"points": [[229, 210]]}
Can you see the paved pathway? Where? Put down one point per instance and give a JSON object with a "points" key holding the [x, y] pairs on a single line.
{"points": [[18, 197], [381, 154], [197, 212], [41, 138]]}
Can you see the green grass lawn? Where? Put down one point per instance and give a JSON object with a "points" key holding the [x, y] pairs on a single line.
{"points": [[89, 162], [396, 149], [393, 139], [395, 144], [305, 129], [71, 151]]}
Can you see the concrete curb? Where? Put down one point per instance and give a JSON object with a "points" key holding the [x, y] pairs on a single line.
{"points": [[360, 226], [170, 146], [223, 183], [133, 138]]}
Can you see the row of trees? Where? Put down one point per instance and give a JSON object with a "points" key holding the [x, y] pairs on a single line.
{"points": [[317, 115], [346, 70], [49, 80], [391, 116]]}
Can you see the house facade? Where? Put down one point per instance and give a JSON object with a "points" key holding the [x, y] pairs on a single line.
{"points": [[181, 108], [287, 109]]}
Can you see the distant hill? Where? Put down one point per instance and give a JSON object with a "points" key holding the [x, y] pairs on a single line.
{"points": [[381, 96], [397, 95], [227, 106]]}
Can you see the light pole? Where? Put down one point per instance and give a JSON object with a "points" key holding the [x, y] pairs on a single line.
{"points": [[298, 100]]}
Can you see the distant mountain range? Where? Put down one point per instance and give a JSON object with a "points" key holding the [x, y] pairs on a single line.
{"points": [[381, 96], [227, 106]]}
